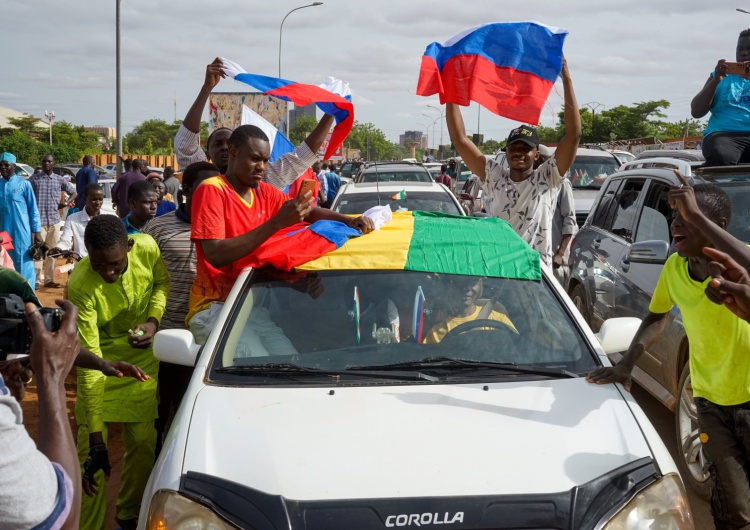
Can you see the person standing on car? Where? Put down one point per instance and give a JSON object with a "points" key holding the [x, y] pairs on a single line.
{"points": [[719, 371], [85, 176], [19, 216], [121, 291], [520, 194], [726, 140], [48, 188]]}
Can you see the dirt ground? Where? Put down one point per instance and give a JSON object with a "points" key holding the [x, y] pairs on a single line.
{"points": [[31, 415]]}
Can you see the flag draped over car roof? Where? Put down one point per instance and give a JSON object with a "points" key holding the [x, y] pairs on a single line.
{"points": [[440, 243], [507, 67], [333, 97]]}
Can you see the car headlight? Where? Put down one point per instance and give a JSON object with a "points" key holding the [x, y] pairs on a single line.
{"points": [[171, 511], [661, 505]]}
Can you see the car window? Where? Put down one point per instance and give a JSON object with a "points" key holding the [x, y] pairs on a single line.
{"points": [[654, 222], [591, 171], [396, 176], [356, 203], [625, 209], [337, 320], [605, 204]]}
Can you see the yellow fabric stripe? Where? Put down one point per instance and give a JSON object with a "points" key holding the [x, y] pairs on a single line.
{"points": [[384, 249]]}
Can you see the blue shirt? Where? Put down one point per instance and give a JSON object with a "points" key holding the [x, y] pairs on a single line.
{"points": [[334, 183], [730, 108], [165, 207], [84, 177], [130, 229]]}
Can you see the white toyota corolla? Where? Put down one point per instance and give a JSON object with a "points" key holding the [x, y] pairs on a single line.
{"points": [[430, 375]]}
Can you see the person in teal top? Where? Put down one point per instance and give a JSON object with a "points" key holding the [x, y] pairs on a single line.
{"points": [[121, 291], [726, 140], [19, 216]]}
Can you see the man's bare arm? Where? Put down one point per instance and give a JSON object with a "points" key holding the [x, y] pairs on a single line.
{"points": [[470, 153], [214, 73], [315, 139], [566, 150]]}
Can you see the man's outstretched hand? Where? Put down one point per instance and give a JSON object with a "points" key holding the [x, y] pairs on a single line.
{"points": [[614, 374], [123, 369], [730, 284]]}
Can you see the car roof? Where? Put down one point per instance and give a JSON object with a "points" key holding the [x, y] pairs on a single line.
{"points": [[585, 151], [406, 166], [716, 175], [683, 154], [369, 187]]}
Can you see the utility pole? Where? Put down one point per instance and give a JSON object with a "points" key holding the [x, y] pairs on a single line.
{"points": [[118, 100], [50, 115], [593, 105], [175, 105]]}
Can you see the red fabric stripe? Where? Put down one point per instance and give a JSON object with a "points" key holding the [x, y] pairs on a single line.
{"points": [[504, 91], [301, 94], [288, 251]]}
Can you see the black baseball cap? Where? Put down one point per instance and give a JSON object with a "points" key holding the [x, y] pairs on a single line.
{"points": [[525, 134]]}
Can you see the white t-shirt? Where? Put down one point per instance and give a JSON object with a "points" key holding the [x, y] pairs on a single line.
{"points": [[528, 206]]}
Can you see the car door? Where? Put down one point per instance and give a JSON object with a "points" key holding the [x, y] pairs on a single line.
{"points": [[613, 223]]}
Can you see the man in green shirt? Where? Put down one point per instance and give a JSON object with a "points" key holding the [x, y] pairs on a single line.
{"points": [[121, 291], [719, 360]]}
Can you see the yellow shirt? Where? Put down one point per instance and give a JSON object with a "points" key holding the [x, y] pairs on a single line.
{"points": [[719, 341], [439, 331]]}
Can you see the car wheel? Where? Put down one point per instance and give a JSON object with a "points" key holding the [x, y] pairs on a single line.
{"points": [[578, 295], [691, 461]]}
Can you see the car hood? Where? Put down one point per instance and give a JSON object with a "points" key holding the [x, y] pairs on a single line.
{"points": [[412, 441], [584, 199]]}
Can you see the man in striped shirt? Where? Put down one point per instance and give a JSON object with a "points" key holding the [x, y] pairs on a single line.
{"points": [[279, 174], [172, 233]]}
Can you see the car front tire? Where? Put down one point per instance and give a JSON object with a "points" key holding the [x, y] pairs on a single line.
{"points": [[691, 459]]}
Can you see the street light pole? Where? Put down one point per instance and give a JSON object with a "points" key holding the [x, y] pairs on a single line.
{"points": [[50, 115], [434, 121], [593, 105], [281, 27], [118, 109], [442, 115]]}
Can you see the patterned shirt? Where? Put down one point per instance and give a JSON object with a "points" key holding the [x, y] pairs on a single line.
{"points": [[48, 190], [528, 205], [279, 173], [172, 233]]}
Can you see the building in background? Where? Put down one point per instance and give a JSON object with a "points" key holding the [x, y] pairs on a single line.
{"points": [[296, 112], [6, 113], [413, 137]]}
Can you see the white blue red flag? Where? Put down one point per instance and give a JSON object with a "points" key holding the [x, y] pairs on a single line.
{"points": [[507, 67], [280, 144], [340, 107]]}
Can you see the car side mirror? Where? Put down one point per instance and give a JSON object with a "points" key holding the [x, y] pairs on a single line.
{"points": [[616, 334], [176, 346], [654, 252]]}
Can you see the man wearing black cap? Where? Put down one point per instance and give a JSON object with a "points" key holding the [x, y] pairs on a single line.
{"points": [[520, 194]]}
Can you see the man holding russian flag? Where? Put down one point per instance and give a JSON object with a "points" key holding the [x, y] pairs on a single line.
{"points": [[281, 172], [509, 68]]}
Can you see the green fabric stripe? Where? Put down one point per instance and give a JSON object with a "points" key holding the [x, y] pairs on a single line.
{"points": [[488, 247]]}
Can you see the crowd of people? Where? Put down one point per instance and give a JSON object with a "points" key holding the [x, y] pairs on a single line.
{"points": [[170, 256]]}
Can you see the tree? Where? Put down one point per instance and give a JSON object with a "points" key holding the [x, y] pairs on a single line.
{"points": [[158, 132], [26, 124], [490, 147], [371, 141], [303, 126], [76, 137], [22, 145]]}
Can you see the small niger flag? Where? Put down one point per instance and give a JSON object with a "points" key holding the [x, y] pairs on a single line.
{"points": [[400, 196]]}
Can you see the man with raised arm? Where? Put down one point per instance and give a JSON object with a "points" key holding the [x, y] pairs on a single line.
{"points": [[279, 174], [523, 196]]}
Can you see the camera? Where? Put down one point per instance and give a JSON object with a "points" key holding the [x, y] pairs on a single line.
{"points": [[15, 333]]}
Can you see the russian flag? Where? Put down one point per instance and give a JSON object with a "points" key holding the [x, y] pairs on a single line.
{"points": [[329, 102], [280, 144], [507, 67]]}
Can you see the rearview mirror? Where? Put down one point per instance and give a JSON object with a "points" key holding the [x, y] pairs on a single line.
{"points": [[176, 346], [616, 334], [654, 252]]}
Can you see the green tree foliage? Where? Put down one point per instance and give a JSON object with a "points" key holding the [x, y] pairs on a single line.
{"points": [[490, 147], [303, 126], [26, 124], [158, 133], [75, 137], [371, 142], [22, 145]]}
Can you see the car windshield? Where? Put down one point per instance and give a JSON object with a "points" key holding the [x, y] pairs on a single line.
{"points": [[355, 203], [385, 175], [590, 171], [344, 321]]}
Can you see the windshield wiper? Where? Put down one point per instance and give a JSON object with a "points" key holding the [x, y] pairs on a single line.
{"points": [[289, 369], [450, 362]]}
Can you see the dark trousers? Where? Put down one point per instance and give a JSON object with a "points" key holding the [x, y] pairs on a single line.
{"points": [[726, 149], [728, 449], [173, 382]]}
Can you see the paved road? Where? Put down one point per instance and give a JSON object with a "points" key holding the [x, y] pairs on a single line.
{"points": [[663, 421]]}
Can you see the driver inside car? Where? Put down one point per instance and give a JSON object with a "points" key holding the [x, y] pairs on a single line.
{"points": [[463, 304]]}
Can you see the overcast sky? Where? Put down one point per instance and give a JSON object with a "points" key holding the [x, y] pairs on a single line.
{"points": [[61, 55]]}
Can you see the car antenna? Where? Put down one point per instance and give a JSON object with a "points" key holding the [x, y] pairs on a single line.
{"points": [[377, 183]]}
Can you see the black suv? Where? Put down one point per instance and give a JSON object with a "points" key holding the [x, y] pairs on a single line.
{"points": [[616, 259]]}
